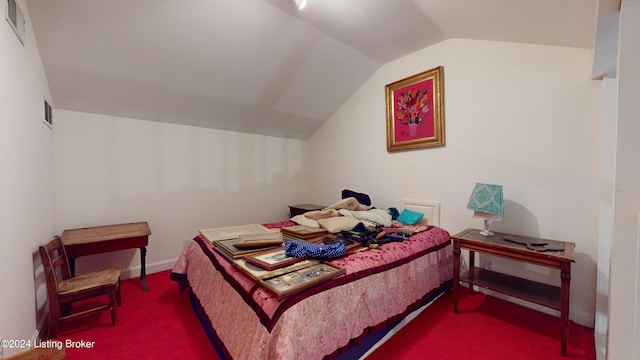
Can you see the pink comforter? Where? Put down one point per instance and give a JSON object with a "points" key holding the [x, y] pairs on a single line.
{"points": [[378, 285]]}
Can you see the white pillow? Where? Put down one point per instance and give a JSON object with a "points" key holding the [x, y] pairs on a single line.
{"points": [[303, 220], [338, 223]]}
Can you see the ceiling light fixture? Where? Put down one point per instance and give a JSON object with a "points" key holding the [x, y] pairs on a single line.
{"points": [[301, 4]]}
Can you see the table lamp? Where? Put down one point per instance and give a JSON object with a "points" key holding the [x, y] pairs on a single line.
{"points": [[487, 203]]}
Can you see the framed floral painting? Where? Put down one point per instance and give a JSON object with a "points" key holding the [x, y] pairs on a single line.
{"points": [[415, 111]]}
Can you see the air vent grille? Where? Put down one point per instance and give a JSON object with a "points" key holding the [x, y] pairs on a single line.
{"points": [[15, 19], [48, 115]]}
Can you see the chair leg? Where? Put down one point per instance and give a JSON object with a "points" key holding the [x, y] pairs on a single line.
{"points": [[66, 309], [113, 298], [54, 315], [118, 294]]}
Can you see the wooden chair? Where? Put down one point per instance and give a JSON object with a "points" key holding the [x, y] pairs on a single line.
{"points": [[45, 353], [63, 290]]}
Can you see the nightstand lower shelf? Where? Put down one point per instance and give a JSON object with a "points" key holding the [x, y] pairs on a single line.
{"points": [[532, 291]]}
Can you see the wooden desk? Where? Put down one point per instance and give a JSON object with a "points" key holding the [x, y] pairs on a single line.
{"points": [[547, 295], [102, 239]]}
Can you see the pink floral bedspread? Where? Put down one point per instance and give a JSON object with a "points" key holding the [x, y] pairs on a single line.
{"points": [[378, 285]]}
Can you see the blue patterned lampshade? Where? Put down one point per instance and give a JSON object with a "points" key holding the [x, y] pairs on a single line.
{"points": [[487, 198], [486, 201]]}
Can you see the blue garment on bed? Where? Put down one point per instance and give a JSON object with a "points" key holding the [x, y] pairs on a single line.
{"points": [[297, 248]]}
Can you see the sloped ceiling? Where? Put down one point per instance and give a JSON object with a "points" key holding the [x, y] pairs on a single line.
{"points": [[262, 66]]}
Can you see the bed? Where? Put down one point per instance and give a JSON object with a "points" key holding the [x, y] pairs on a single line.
{"points": [[379, 289]]}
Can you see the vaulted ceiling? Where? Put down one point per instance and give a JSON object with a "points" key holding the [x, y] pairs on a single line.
{"points": [[263, 66]]}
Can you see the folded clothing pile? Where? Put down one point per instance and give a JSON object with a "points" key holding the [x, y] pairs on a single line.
{"points": [[297, 248]]}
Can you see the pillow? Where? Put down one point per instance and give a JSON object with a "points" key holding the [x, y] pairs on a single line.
{"points": [[349, 203], [339, 223], [321, 214], [409, 217], [303, 220]]}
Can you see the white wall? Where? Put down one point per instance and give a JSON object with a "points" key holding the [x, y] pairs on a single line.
{"points": [[524, 116], [179, 178], [624, 302], [26, 186]]}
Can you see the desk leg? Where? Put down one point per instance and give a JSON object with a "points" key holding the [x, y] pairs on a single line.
{"points": [[456, 274], [565, 276], [472, 264], [72, 266], [143, 268]]}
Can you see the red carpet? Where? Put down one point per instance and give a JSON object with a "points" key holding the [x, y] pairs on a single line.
{"points": [[161, 324], [485, 328]]}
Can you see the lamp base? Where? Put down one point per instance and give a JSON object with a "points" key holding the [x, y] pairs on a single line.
{"points": [[487, 228], [486, 232]]}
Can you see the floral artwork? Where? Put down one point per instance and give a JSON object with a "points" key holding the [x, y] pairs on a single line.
{"points": [[412, 106], [414, 111], [411, 109]]}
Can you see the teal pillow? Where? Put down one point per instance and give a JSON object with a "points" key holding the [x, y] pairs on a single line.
{"points": [[410, 217]]}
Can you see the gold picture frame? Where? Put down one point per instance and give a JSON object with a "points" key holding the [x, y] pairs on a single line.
{"points": [[415, 111], [295, 281], [272, 259]]}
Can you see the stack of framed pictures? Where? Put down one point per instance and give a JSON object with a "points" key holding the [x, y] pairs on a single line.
{"points": [[285, 275], [301, 232], [270, 266], [255, 236]]}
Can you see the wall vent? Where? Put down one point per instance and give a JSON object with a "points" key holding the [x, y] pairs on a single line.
{"points": [[48, 115], [15, 19]]}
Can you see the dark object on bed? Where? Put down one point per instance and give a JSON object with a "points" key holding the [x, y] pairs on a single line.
{"points": [[332, 240], [363, 199]]}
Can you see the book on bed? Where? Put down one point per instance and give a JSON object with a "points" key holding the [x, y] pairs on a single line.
{"points": [[234, 232], [256, 241], [301, 232], [227, 248]]}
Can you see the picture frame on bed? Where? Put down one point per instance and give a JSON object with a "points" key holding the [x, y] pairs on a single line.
{"points": [[233, 232], [415, 111], [295, 281], [228, 248], [259, 273], [272, 259]]}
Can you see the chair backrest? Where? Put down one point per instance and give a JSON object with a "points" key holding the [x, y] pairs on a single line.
{"points": [[55, 264]]}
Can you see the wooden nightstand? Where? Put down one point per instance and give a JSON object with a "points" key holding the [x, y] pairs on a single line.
{"points": [[303, 208], [547, 295]]}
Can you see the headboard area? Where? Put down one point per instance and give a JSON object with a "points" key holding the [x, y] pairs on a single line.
{"points": [[430, 209]]}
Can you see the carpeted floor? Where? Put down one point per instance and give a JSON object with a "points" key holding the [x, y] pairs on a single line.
{"points": [[485, 328], [161, 324]]}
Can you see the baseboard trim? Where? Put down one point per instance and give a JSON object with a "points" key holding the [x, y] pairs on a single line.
{"points": [[134, 271], [577, 316], [42, 326]]}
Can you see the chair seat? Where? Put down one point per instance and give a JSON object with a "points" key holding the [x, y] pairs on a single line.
{"points": [[104, 278]]}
